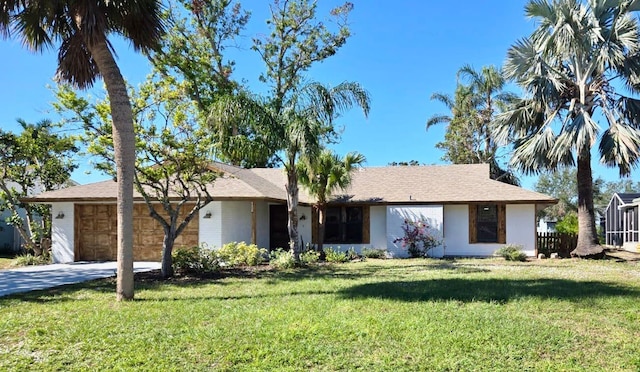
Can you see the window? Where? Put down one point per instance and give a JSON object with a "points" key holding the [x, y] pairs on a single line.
{"points": [[345, 225], [487, 223]]}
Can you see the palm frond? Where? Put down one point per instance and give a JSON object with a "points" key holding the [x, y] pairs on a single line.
{"points": [[620, 146], [438, 119]]}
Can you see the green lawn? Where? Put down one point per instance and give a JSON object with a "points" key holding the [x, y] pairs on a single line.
{"points": [[375, 315]]}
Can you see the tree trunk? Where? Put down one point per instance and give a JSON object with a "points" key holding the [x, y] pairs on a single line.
{"points": [[167, 250], [322, 220], [125, 157], [587, 246], [292, 211]]}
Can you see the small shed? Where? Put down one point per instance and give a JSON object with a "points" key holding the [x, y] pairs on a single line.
{"points": [[622, 224]]}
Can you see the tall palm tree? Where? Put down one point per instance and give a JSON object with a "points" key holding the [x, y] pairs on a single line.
{"points": [[82, 28], [478, 98], [297, 127], [570, 68], [325, 174]]}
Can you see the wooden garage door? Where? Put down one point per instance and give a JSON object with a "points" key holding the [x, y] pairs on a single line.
{"points": [[96, 238]]}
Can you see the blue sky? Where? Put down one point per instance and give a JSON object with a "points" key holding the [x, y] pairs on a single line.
{"points": [[401, 52]]}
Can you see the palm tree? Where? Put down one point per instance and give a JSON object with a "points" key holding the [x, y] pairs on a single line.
{"points": [[569, 69], [82, 27], [296, 128], [324, 174], [468, 138]]}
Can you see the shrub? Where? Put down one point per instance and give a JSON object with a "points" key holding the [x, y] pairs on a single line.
{"points": [[512, 252], [30, 260], [241, 254], [309, 257], [568, 224], [195, 260], [374, 253], [281, 259], [332, 255]]}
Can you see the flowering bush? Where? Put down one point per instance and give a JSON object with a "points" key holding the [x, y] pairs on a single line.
{"points": [[418, 238]]}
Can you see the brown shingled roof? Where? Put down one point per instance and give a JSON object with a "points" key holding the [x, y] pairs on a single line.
{"points": [[386, 185]]}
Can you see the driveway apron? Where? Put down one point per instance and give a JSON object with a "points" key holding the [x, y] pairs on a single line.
{"points": [[32, 278]]}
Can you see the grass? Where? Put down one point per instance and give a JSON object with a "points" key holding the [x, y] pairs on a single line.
{"points": [[5, 261], [376, 315]]}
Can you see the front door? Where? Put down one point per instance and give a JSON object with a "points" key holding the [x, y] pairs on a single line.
{"points": [[278, 232]]}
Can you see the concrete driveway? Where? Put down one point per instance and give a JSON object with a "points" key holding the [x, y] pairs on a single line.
{"points": [[31, 278]]}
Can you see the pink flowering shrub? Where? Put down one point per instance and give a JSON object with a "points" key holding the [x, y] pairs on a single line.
{"points": [[418, 238]]}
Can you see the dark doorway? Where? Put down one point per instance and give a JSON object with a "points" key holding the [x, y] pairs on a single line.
{"points": [[278, 232]]}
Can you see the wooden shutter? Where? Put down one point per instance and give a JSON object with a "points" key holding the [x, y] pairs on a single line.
{"points": [[502, 224], [314, 225], [473, 220], [366, 224]]}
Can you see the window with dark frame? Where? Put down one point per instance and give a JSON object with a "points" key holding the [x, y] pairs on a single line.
{"points": [[344, 225], [487, 223]]}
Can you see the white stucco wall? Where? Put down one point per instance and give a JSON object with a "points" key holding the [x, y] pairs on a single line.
{"points": [[210, 229], [520, 229], [236, 221], [62, 233], [396, 215], [304, 226]]}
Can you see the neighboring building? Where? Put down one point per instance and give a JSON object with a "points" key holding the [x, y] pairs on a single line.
{"points": [[622, 225], [10, 240], [547, 225], [473, 214]]}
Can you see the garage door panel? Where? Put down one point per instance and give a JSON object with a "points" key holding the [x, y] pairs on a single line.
{"points": [[96, 233]]}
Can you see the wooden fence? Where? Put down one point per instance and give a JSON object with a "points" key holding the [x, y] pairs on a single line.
{"points": [[560, 243]]}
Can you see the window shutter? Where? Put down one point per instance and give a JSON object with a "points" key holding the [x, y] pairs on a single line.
{"points": [[502, 224], [314, 225], [473, 228], [366, 225]]}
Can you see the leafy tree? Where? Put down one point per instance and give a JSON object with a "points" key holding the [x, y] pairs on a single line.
{"points": [[324, 174], [82, 27], [468, 139], [568, 224], [33, 161], [569, 68], [173, 172], [193, 53], [296, 119]]}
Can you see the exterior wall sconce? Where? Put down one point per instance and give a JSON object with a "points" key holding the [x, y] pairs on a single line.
{"points": [[207, 215], [60, 215], [303, 217]]}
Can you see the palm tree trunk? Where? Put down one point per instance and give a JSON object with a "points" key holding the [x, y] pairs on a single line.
{"points": [[322, 220], [125, 157], [292, 211], [587, 246]]}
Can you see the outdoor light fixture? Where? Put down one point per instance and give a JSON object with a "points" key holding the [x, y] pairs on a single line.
{"points": [[207, 215], [60, 215]]}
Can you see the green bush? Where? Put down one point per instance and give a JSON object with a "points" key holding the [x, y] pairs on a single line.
{"points": [[332, 255], [241, 254], [195, 260], [281, 259], [374, 253], [309, 257], [568, 224], [512, 252], [30, 260]]}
